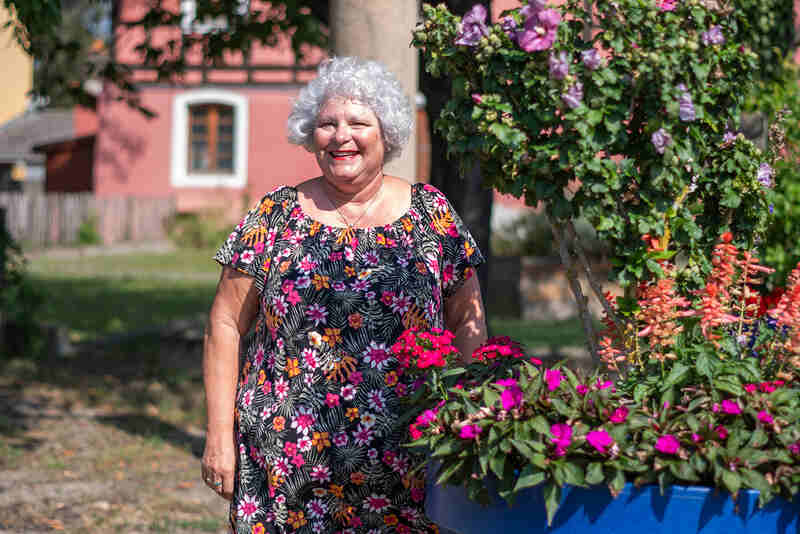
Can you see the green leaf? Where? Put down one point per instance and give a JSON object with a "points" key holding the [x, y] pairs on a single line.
{"points": [[574, 474], [759, 438], [678, 372], [497, 464], [732, 481], [594, 473], [507, 135], [704, 365], [552, 500], [541, 425], [448, 471], [755, 480], [448, 447], [529, 476]]}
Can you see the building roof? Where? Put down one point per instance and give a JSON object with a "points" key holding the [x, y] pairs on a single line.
{"points": [[19, 135]]}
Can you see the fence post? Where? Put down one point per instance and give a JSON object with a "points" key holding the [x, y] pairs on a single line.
{"points": [[5, 241]]}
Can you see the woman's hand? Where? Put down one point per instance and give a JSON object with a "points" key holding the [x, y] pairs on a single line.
{"points": [[235, 305], [219, 464]]}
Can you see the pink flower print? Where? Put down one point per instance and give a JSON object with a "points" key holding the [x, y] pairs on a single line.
{"points": [[355, 521], [290, 448], [553, 377], [348, 392], [259, 358], [320, 473], [340, 439], [372, 454], [307, 264], [258, 247], [667, 444], [765, 417], [377, 503], [310, 358], [247, 256], [376, 400], [281, 466], [368, 419], [387, 297], [248, 507], [372, 258], [448, 273], [388, 457], [600, 440], [247, 398], [317, 313], [302, 282], [279, 305], [417, 495], [401, 304], [470, 431], [316, 508], [298, 460], [281, 389], [336, 256], [303, 420], [619, 415], [731, 407], [363, 435], [561, 436], [287, 286], [377, 355], [360, 285], [304, 444], [339, 286], [294, 298], [332, 400]]}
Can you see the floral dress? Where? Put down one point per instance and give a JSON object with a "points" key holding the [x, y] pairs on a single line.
{"points": [[318, 400]]}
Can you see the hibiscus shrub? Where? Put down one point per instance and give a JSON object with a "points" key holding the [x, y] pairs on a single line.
{"points": [[636, 108]]}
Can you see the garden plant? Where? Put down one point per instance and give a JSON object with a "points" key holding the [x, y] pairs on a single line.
{"points": [[624, 117]]}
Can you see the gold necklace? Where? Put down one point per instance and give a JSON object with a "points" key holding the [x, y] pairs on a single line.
{"points": [[369, 205]]}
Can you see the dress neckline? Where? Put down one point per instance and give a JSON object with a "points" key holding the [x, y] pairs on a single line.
{"points": [[415, 188]]}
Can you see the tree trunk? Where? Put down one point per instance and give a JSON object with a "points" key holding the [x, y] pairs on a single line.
{"points": [[381, 30], [470, 199]]}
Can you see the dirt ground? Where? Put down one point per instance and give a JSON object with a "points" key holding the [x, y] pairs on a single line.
{"points": [[107, 440]]}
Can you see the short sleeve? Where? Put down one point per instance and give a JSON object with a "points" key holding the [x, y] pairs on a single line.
{"points": [[459, 251], [248, 248]]}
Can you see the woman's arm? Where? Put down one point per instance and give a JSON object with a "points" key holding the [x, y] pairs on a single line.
{"points": [[234, 308], [463, 315]]}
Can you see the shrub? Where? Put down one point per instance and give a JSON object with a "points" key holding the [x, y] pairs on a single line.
{"points": [[197, 230]]}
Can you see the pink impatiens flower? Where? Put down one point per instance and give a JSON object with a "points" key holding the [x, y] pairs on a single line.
{"points": [[765, 417], [731, 407], [511, 397], [668, 444], [470, 431], [619, 415], [562, 437], [666, 5], [600, 440], [721, 431], [582, 389], [553, 377]]}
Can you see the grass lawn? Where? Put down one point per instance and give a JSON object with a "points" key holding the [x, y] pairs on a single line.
{"points": [[99, 295]]}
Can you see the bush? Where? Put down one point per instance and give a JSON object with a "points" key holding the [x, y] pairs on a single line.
{"points": [[88, 233], [20, 300], [197, 230], [530, 235]]}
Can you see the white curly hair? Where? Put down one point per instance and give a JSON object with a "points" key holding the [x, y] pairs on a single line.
{"points": [[367, 82]]}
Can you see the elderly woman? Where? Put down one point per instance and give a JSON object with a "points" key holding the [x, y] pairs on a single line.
{"points": [[305, 436]]}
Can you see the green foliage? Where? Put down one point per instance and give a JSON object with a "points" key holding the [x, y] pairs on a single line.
{"points": [[530, 235], [508, 112], [88, 233], [20, 300], [197, 230]]}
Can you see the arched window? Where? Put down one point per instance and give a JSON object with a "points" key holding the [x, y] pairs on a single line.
{"points": [[209, 139]]}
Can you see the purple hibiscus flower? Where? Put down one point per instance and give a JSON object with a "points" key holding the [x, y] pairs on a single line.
{"points": [[765, 175], [591, 59], [729, 137], [661, 140], [473, 26], [713, 36], [686, 111], [559, 65], [540, 30], [574, 95]]}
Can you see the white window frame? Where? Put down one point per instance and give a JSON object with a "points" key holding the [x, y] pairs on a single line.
{"points": [[190, 24], [179, 172]]}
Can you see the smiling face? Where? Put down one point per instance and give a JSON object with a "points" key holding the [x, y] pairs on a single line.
{"points": [[348, 143]]}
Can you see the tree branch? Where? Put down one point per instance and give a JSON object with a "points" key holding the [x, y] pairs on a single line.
{"points": [[575, 286]]}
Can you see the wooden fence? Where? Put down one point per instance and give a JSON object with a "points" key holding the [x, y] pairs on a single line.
{"points": [[46, 219]]}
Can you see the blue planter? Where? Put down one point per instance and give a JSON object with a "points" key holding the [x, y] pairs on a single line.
{"points": [[690, 509]]}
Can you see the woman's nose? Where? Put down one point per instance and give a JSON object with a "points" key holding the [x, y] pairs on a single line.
{"points": [[342, 133]]}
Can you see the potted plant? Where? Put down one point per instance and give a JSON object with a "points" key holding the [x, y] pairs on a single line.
{"points": [[623, 117]]}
